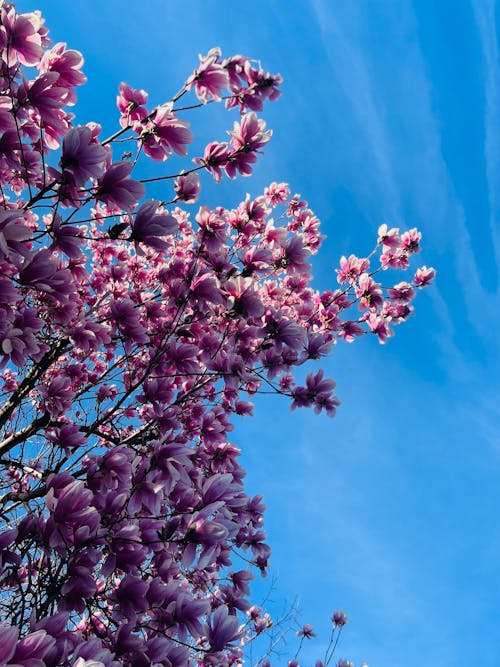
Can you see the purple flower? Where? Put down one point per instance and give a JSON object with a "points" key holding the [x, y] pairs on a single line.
{"points": [[130, 596], [128, 321], [207, 532], [48, 98], [88, 663], [306, 631], [410, 241], [318, 392], [68, 437], [66, 238], [388, 238], [12, 234], [351, 268], [149, 226], [57, 396], [43, 274], [8, 641], [339, 618], [222, 629], [127, 549], [82, 158], [115, 186], [379, 326], [295, 256]]}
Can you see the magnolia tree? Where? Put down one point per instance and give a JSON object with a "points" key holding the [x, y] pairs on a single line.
{"points": [[131, 331]]}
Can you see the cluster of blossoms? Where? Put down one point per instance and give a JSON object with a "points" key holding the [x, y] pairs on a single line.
{"points": [[130, 333]]}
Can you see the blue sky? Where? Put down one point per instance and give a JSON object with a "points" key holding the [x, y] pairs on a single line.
{"points": [[390, 113]]}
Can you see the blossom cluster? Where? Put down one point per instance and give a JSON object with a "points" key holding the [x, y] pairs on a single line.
{"points": [[131, 332]]}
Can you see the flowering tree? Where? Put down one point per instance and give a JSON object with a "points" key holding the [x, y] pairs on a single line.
{"points": [[130, 333]]}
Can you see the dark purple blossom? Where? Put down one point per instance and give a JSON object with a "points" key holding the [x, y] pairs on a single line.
{"points": [[307, 631], [66, 237], [116, 187], [339, 618], [149, 227], [82, 158], [222, 629], [13, 235], [42, 273], [127, 319]]}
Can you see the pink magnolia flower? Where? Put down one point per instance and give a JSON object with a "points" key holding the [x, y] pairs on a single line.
{"points": [[19, 37], [349, 330], [131, 103], [295, 255], [277, 193], [88, 663], [402, 292], [215, 158], [32, 648], [42, 273], [424, 276], [210, 78], [389, 238], [380, 327], [187, 187], [368, 292], [67, 63], [165, 133], [396, 259], [47, 97], [127, 318], [351, 268], [318, 392], [248, 137], [410, 241], [246, 300]]}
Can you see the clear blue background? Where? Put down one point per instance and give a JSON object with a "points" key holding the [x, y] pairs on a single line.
{"points": [[390, 113]]}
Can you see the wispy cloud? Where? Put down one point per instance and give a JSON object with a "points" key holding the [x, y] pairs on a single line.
{"points": [[484, 12], [405, 145], [350, 69]]}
